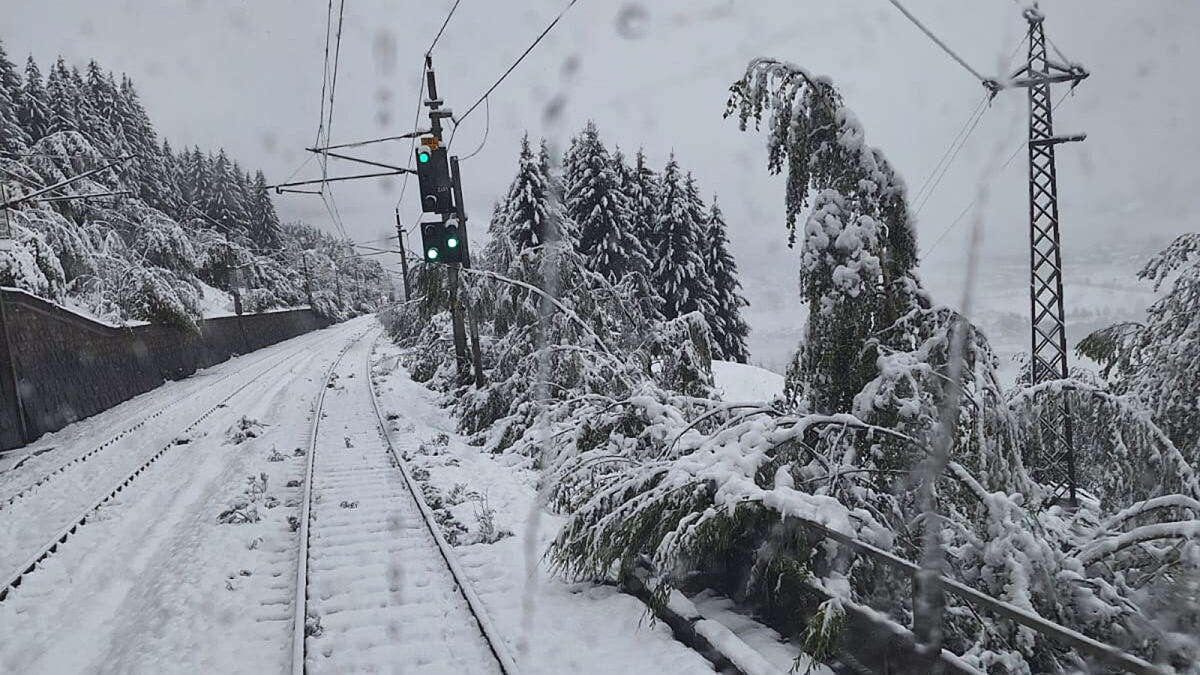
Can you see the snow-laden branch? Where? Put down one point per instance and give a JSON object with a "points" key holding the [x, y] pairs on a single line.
{"points": [[1099, 549]]}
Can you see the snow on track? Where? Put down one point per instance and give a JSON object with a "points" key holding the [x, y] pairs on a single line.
{"points": [[377, 583], [17, 486], [30, 526], [153, 583]]}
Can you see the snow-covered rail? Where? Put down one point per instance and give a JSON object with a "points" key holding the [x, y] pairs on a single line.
{"points": [[33, 545], [78, 460], [377, 585]]}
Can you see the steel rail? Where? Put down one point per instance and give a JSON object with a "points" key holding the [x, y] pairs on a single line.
{"points": [[491, 634], [300, 607]]}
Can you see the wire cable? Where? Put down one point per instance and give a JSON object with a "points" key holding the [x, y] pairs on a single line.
{"points": [[337, 55], [946, 168], [957, 144], [442, 29], [412, 146], [487, 126], [519, 60], [974, 201], [949, 149], [936, 40], [324, 73]]}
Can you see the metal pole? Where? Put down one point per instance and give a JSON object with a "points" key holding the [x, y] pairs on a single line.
{"points": [[403, 257], [1048, 336], [435, 124], [460, 207]]}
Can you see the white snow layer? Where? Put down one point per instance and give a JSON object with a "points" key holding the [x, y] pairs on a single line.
{"points": [[742, 383]]}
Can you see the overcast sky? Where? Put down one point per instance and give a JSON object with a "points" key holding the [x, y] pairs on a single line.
{"points": [[247, 76]]}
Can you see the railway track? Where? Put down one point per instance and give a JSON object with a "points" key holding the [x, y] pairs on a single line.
{"points": [[77, 461], [378, 589], [40, 535]]}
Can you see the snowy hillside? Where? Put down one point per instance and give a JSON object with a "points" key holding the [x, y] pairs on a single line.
{"points": [[743, 383]]}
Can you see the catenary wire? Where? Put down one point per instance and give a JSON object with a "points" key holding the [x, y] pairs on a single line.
{"points": [[412, 146], [518, 61], [442, 29], [957, 144], [962, 214], [943, 45]]}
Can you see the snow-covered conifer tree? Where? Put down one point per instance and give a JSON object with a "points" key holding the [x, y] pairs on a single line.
{"points": [[60, 98], [601, 211], [33, 109], [728, 328], [264, 223], [13, 136], [679, 273], [525, 214]]}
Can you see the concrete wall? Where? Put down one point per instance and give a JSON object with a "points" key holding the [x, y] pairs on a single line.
{"points": [[66, 366]]}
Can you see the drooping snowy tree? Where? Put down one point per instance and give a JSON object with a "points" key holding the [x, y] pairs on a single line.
{"points": [[728, 327], [678, 271], [34, 111], [600, 209], [13, 136], [1157, 360]]}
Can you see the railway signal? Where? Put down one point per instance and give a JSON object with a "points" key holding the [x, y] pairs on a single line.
{"points": [[433, 241], [433, 174]]}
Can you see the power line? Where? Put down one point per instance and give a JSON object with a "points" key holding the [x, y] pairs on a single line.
{"points": [[937, 41], [443, 28], [962, 214], [325, 72], [956, 145], [487, 126], [977, 112], [51, 155], [337, 55], [412, 146], [518, 62], [946, 168]]}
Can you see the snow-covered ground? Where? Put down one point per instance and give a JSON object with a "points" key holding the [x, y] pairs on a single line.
{"points": [[551, 625], [153, 582], [745, 383], [192, 566]]}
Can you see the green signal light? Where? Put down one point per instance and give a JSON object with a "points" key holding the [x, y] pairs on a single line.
{"points": [[452, 242], [423, 157], [432, 254]]}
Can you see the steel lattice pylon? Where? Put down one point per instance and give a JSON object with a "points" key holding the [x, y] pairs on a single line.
{"points": [[1048, 355]]}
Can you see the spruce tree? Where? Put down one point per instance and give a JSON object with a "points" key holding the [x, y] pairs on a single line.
{"points": [[60, 98], [706, 294], [264, 223], [222, 203], [97, 111], [33, 110], [526, 211], [678, 269], [13, 137], [601, 211], [728, 327], [645, 195]]}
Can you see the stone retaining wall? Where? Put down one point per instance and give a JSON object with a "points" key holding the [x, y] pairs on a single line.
{"points": [[66, 366]]}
